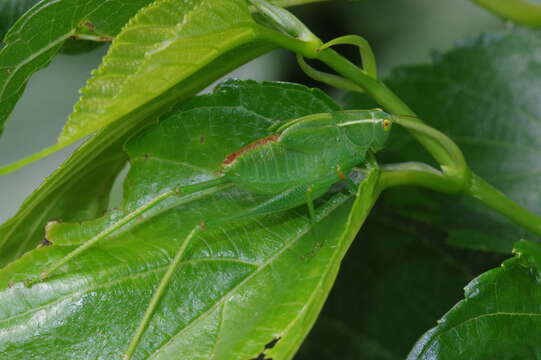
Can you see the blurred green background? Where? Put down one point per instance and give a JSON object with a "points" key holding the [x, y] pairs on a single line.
{"points": [[401, 32]]}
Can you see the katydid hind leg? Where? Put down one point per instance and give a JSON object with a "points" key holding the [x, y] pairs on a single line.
{"points": [[288, 199], [181, 191], [312, 212], [319, 241], [160, 292]]}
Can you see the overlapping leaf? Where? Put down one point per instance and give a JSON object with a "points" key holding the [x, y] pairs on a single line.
{"points": [[499, 318], [10, 11], [41, 32], [485, 95], [79, 190], [38, 35], [399, 277], [244, 284], [162, 46]]}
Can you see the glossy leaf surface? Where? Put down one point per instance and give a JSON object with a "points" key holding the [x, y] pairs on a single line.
{"points": [[47, 28], [10, 11], [38, 36], [64, 196], [499, 318], [244, 284], [485, 95], [162, 46]]}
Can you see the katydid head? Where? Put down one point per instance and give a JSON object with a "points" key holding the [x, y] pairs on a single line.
{"points": [[368, 132], [381, 135]]}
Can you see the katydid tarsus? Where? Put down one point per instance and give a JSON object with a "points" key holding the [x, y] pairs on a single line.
{"points": [[297, 163]]}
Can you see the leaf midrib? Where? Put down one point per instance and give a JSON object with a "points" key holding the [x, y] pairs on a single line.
{"points": [[202, 316], [119, 280]]}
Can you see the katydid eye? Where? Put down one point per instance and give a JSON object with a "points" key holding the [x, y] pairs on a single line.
{"points": [[386, 125]]}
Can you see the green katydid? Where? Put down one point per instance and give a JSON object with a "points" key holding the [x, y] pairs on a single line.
{"points": [[298, 162]]}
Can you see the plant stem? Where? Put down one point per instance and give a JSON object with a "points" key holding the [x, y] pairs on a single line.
{"points": [[459, 171], [88, 37], [519, 11], [420, 174], [496, 200], [417, 174]]}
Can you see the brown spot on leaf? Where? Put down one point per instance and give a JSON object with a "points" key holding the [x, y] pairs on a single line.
{"points": [[89, 25], [261, 356], [229, 159], [45, 242], [202, 139], [272, 343]]}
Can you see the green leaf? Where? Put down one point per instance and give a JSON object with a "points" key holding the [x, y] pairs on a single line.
{"points": [[286, 3], [484, 95], [523, 12], [10, 11], [499, 317], [76, 192], [265, 267], [391, 292], [40, 33], [160, 48]]}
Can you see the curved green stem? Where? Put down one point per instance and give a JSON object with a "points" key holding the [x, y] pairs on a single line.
{"points": [[496, 200], [372, 86], [518, 11], [365, 50], [417, 174], [459, 170], [326, 78]]}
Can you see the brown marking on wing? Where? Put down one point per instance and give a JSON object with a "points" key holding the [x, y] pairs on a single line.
{"points": [[229, 159]]}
